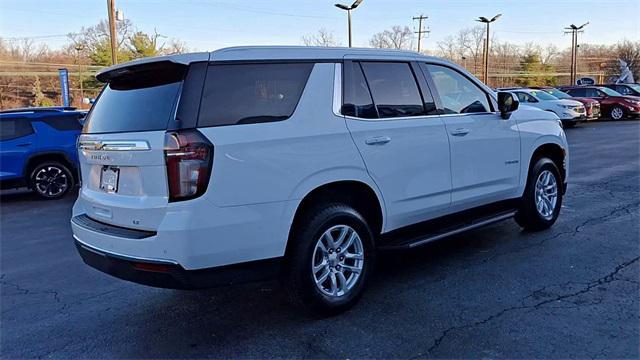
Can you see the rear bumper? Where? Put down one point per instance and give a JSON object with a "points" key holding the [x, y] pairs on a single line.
{"points": [[165, 274]]}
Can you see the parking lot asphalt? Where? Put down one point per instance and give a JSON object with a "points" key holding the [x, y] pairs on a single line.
{"points": [[569, 292]]}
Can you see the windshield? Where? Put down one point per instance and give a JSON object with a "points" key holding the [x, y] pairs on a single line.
{"points": [[635, 87], [609, 91], [541, 95], [557, 93]]}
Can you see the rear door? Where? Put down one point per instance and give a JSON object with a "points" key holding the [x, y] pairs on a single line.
{"points": [[485, 148], [121, 149], [17, 142], [400, 136]]}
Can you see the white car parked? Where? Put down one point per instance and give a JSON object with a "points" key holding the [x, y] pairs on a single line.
{"points": [[247, 163], [569, 111]]}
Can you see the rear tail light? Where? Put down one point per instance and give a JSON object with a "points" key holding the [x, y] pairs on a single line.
{"points": [[188, 155]]}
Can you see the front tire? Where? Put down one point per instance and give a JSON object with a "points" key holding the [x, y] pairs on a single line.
{"points": [[51, 180], [617, 113], [330, 258], [540, 205]]}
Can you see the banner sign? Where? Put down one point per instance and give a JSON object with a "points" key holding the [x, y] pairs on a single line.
{"points": [[586, 80], [64, 85]]}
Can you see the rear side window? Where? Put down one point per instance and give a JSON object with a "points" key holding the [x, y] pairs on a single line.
{"points": [[394, 89], [14, 128], [64, 123], [140, 101], [357, 98], [251, 93]]}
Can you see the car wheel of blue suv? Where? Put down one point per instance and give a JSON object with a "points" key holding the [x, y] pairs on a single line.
{"points": [[51, 180]]}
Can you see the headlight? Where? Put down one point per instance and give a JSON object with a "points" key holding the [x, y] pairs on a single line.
{"points": [[634, 102]]}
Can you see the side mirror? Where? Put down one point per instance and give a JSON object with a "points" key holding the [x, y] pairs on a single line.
{"points": [[507, 103]]}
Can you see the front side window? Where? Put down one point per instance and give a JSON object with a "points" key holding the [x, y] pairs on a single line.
{"points": [[523, 97], [14, 128], [458, 94], [394, 89], [251, 93]]}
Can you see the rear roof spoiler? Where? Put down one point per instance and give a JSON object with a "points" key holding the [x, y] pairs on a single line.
{"points": [[113, 72]]}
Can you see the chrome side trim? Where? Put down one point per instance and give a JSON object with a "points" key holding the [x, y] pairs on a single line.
{"points": [[114, 145], [102, 252], [337, 89]]}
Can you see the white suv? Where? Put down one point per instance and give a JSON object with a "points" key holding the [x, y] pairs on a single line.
{"points": [[248, 163]]}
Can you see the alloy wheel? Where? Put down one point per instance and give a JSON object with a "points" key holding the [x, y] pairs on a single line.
{"points": [[617, 113], [338, 260], [546, 195], [51, 181]]}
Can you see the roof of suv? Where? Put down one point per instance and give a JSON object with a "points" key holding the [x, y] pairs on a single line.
{"points": [[252, 53]]}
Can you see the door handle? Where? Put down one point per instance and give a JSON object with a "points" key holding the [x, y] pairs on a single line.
{"points": [[460, 132], [377, 140], [24, 144]]}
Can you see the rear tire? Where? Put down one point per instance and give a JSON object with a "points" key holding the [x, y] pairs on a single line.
{"points": [[540, 205], [330, 257], [51, 180]]}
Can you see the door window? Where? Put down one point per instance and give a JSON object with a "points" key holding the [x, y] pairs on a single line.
{"points": [[394, 89], [14, 128], [357, 98], [591, 92], [524, 97], [577, 92], [458, 94]]}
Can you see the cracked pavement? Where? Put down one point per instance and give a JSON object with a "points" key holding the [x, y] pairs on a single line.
{"points": [[569, 292]]}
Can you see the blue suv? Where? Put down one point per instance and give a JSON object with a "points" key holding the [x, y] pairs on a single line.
{"points": [[38, 149]]}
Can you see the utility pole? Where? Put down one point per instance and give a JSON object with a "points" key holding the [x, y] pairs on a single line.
{"points": [[420, 31], [485, 56], [574, 30], [111, 7]]}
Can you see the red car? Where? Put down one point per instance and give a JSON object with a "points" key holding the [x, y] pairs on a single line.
{"points": [[591, 105], [613, 104]]}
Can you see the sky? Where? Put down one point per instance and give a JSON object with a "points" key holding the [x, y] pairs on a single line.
{"points": [[212, 24]]}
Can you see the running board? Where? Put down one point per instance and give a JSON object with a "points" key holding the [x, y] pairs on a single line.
{"points": [[399, 240]]}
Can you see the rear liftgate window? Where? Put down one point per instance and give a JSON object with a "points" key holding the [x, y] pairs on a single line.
{"points": [[252, 93], [138, 99]]}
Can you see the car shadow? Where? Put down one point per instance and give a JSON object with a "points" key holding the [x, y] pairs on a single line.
{"points": [[237, 321], [24, 194]]}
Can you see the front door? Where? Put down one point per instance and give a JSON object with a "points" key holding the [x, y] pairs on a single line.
{"points": [[485, 148]]}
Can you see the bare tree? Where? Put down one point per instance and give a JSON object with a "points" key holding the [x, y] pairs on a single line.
{"points": [[396, 38], [175, 46], [323, 37], [549, 53], [449, 49]]}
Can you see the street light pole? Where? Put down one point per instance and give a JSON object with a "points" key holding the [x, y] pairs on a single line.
{"points": [[348, 10], [485, 58], [79, 48], [349, 17]]}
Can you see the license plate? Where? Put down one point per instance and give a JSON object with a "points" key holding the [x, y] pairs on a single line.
{"points": [[109, 179]]}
